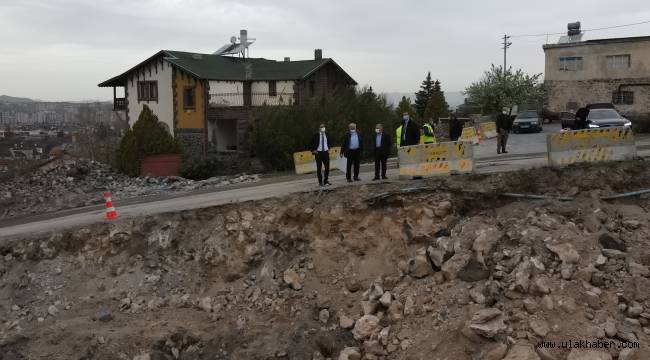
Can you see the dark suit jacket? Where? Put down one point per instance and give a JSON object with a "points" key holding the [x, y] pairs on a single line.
{"points": [[384, 148], [315, 142], [345, 148], [412, 134]]}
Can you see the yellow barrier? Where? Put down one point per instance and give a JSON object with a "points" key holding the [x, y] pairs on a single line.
{"points": [[305, 162], [488, 130], [606, 144], [436, 159], [469, 134]]}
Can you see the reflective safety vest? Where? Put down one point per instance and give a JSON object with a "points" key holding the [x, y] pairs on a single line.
{"points": [[398, 135], [426, 139]]}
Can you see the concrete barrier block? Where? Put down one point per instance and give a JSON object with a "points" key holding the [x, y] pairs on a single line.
{"points": [[592, 145], [436, 159]]}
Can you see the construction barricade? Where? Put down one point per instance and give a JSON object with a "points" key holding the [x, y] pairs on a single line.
{"points": [[488, 130], [436, 159], [469, 135], [305, 161], [605, 144]]}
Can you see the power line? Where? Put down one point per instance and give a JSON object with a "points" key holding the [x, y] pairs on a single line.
{"points": [[586, 30]]}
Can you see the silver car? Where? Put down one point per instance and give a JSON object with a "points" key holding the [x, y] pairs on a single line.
{"points": [[527, 121], [600, 118]]}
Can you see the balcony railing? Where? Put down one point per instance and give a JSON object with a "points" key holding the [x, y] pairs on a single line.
{"points": [[252, 99], [119, 104]]}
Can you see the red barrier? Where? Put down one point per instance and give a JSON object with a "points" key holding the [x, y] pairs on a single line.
{"points": [[161, 165]]}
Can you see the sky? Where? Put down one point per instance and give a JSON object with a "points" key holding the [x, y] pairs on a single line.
{"points": [[61, 49]]}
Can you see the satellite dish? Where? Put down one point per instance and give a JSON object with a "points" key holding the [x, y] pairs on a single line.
{"points": [[233, 39]]}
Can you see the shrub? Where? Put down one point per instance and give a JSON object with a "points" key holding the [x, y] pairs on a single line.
{"points": [[200, 169], [148, 137]]}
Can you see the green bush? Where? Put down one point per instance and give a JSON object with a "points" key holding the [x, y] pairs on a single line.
{"points": [[281, 131], [148, 137], [200, 169]]}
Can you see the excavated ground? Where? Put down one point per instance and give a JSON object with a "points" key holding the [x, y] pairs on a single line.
{"points": [[448, 270]]}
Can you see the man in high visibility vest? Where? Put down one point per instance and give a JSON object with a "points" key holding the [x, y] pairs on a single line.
{"points": [[398, 135], [428, 137]]}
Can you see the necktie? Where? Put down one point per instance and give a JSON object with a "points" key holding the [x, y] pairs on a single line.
{"points": [[322, 142]]}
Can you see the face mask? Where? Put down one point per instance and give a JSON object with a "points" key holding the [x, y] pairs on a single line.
{"points": [[322, 129], [405, 118], [352, 131], [377, 131]]}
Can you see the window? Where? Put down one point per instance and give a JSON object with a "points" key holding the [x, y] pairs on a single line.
{"points": [[189, 97], [273, 88], [623, 97], [147, 91], [618, 62], [571, 63]]}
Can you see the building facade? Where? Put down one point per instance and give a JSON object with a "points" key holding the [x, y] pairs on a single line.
{"points": [[613, 71], [209, 102]]}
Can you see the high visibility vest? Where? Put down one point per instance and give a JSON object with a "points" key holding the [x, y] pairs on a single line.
{"points": [[398, 135], [425, 139]]}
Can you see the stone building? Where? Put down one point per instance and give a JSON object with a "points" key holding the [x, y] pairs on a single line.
{"points": [[209, 101], [613, 71]]}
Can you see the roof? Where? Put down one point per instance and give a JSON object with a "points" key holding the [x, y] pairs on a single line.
{"points": [[218, 67], [598, 42]]}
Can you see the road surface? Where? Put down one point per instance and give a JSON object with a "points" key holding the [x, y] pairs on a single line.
{"points": [[525, 151]]}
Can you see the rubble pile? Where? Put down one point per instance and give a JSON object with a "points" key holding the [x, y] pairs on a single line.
{"points": [[435, 274], [68, 184]]}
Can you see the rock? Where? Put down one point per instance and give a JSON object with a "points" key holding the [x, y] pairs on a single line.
{"points": [[488, 322], [592, 299], [419, 267], [369, 307], [443, 209], [522, 352], [635, 310], [454, 265], [292, 279], [613, 254], [494, 351], [530, 305], [601, 260], [610, 328], [145, 356], [409, 306], [585, 354], [205, 304], [522, 276], [104, 315], [636, 269], [346, 322], [350, 353], [539, 327], [627, 354], [352, 285], [375, 292], [566, 252], [373, 347], [396, 310], [631, 224], [383, 335], [324, 316], [541, 286], [365, 327], [437, 256], [545, 354], [52, 310], [607, 241], [385, 299]]}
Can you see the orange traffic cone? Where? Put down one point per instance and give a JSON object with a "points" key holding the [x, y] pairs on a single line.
{"points": [[111, 213]]}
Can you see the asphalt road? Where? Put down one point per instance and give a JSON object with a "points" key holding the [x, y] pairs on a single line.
{"points": [[524, 151]]}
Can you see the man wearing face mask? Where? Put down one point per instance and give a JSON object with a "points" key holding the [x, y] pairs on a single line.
{"points": [[320, 148], [410, 134], [503, 128], [382, 149], [351, 149]]}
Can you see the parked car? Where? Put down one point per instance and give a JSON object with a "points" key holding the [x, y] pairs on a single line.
{"points": [[567, 119], [603, 117], [527, 121]]}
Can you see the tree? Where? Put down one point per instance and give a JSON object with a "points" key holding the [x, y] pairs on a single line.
{"points": [[423, 96], [437, 106], [497, 90], [404, 106]]}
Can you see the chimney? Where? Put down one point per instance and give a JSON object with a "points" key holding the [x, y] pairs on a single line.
{"points": [[318, 54], [243, 37], [287, 59]]}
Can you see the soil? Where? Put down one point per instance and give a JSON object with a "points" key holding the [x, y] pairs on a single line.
{"points": [[273, 278]]}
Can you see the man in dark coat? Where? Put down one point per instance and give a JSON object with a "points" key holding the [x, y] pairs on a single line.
{"points": [[352, 148], [455, 128], [581, 119], [382, 145], [504, 125], [410, 131], [319, 146]]}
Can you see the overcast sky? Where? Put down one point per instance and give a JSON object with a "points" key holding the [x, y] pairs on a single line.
{"points": [[61, 49]]}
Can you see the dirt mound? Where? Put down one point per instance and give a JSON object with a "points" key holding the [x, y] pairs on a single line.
{"points": [[446, 269]]}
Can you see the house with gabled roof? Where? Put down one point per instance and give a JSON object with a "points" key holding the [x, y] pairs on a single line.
{"points": [[208, 101]]}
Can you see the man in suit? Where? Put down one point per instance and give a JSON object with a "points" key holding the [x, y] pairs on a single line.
{"points": [[320, 148], [410, 131], [504, 125], [382, 149], [351, 149]]}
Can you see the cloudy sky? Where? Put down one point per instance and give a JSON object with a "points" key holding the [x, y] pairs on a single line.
{"points": [[61, 49]]}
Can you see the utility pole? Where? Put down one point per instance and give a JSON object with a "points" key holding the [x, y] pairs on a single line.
{"points": [[506, 45]]}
